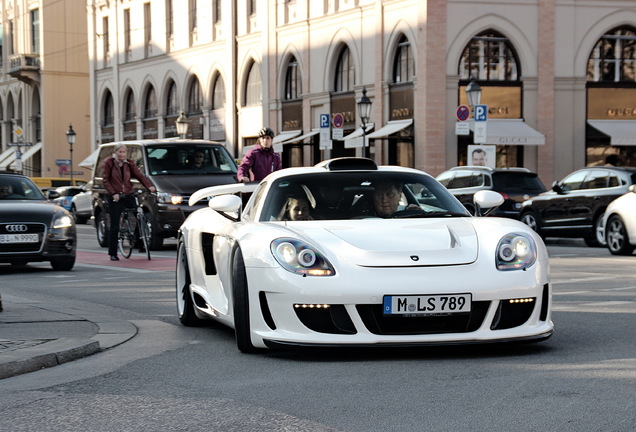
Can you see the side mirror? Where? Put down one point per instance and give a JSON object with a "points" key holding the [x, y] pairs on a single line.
{"points": [[52, 194], [556, 186], [225, 204], [632, 188], [486, 201]]}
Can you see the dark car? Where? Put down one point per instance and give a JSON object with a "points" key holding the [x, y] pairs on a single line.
{"points": [[515, 184], [575, 206], [33, 229], [169, 164]]}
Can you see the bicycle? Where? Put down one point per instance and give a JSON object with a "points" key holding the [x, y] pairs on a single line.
{"points": [[127, 238]]}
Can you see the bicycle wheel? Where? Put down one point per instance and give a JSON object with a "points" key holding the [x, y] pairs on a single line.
{"points": [[126, 237], [144, 231]]}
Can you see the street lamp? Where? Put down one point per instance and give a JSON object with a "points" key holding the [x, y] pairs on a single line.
{"points": [[473, 92], [182, 125], [70, 138], [364, 112]]}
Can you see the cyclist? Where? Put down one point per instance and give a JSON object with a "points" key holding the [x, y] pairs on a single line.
{"points": [[260, 161], [117, 173]]}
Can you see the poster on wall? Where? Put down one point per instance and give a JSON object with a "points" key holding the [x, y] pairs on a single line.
{"points": [[482, 155]]}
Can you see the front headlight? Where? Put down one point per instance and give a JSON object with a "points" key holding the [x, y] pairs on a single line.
{"points": [[62, 221], [298, 257], [515, 251], [168, 198]]}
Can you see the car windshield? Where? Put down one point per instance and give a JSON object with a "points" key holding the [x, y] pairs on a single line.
{"points": [[523, 183], [189, 159], [358, 195], [19, 188]]}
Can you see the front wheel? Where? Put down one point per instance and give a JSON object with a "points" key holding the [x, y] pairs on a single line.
{"points": [[144, 232], [617, 237], [531, 219], [63, 264], [185, 304], [101, 229], [598, 238], [126, 241], [241, 304]]}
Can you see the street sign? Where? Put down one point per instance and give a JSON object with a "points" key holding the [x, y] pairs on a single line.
{"points": [[462, 128], [463, 113], [480, 132], [324, 121], [338, 120], [62, 161], [19, 144], [481, 113]]}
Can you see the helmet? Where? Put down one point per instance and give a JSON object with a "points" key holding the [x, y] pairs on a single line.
{"points": [[266, 132]]}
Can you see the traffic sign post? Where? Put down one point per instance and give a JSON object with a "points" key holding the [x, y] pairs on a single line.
{"points": [[480, 115], [325, 128]]}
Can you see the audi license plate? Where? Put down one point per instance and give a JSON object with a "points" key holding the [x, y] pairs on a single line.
{"points": [[19, 238], [427, 304]]}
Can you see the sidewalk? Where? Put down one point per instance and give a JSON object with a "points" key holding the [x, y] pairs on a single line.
{"points": [[36, 335]]}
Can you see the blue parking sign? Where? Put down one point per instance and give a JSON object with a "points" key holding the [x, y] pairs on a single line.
{"points": [[480, 113], [324, 120]]}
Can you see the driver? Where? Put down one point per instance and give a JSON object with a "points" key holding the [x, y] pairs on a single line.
{"points": [[386, 198]]}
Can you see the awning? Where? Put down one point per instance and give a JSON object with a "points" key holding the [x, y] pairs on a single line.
{"points": [[5, 154], [621, 132], [354, 139], [89, 162], [27, 154], [302, 137], [510, 132], [284, 136], [390, 128]]}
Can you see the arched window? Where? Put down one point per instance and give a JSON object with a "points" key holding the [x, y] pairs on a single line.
{"points": [[292, 81], [489, 57], [108, 115], [613, 58], [345, 78], [172, 106], [150, 105], [130, 113], [218, 93], [403, 66], [195, 100], [253, 87]]}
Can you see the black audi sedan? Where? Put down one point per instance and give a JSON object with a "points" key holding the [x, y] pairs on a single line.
{"points": [[33, 229]]}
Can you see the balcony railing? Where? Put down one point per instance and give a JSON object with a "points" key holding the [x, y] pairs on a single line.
{"points": [[25, 67]]}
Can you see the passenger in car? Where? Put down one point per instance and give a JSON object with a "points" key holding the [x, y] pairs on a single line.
{"points": [[296, 209]]}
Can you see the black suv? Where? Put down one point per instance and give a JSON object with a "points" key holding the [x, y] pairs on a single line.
{"points": [[575, 205], [170, 166], [515, 184]]}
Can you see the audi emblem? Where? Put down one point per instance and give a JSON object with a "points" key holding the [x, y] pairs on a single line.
{"points": [[16, 228]]}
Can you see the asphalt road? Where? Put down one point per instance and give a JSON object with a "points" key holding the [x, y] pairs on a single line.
{"points": [[174, 378]]}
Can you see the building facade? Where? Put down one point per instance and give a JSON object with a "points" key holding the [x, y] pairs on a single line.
{"points": [[44, 87], [558, 77]]}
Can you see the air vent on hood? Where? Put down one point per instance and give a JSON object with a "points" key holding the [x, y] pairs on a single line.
{"points": [[348, 164]]}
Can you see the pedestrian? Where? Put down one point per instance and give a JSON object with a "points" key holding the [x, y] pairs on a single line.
{"points": [[117, 173], [260, 161]]}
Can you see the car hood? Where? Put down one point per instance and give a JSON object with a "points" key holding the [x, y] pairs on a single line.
{"points": [[28, 211], [395, 242], [188, 184]]}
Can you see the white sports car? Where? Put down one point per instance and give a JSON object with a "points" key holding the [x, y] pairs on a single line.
{"points": [[620, 224], [349, 253]]}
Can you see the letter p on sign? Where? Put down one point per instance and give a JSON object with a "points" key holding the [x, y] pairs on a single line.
{"points": [[480, 113]]}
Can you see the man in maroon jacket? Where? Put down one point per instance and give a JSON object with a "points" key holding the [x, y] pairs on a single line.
{"points": [[117, 173], [261, 160]]}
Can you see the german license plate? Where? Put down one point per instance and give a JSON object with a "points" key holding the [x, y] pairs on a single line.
{"points": [[427, 304], [19, 238]]}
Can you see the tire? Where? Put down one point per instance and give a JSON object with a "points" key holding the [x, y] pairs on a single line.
{"points": [[241, 304], [101, 229], [144, 233], [617, 237], [126, 238], [185, 304], [598, 238], [531, 219], [156, 241], [63, 264]]}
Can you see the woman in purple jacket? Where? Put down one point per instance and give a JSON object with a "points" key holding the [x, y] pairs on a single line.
{"points": [[261, 160]]}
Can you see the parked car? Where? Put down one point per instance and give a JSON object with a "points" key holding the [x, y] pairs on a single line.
{"points": [[427, 274], [168, 165], [46, 183], [63, 195], [575, 206], [32, 228], [81, 207], [515, 184], [620, 224]]}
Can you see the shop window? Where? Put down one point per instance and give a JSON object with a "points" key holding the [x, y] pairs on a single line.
{"points": [[345, 72], [489, 56], [292, 81], [613, 58]]}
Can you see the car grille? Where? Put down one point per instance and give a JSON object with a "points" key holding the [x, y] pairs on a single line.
{"points": [[31, 228], [379, 323]]}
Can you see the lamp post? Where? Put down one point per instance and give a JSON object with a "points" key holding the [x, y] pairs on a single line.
{"points": [[364, 112], [473, 92], [182, 125], [70, 138]]}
